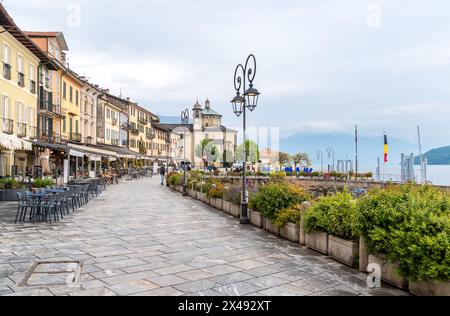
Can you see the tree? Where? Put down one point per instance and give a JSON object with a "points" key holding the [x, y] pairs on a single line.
{"points": [[284, 158], [227, 158], [207, 149], [252, 152], [302, 160]]}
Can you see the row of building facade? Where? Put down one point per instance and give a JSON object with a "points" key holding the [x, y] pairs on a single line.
{"points": [[55, 122]]}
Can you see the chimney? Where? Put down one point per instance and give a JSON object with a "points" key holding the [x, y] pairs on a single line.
{"points": [[128, 99]]}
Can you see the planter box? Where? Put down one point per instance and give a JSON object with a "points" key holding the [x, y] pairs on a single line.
{"points": [[218, 204], [226, 207], [291, 232], [271, 227], [424, 288], [192, 193], [257, 219], [317, 241], [9, 195], [235, 210], [389, 272], [345, 251]]}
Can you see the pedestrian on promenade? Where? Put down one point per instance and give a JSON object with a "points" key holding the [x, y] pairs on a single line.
{"points": [[162, 172]]}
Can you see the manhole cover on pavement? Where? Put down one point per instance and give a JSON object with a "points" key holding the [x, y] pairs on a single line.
{"points": [[54, 273]]}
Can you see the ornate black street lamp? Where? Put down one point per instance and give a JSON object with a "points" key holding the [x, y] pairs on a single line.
{"points": [[241, 102], [184, 122]]}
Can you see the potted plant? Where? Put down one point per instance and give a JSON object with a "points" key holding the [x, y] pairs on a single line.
{"points": [[406, 228], [9, 188], [288, 221], [215, 194], [274, 197]]}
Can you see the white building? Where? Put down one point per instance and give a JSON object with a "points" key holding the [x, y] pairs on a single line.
{"points": [[206, 125]]}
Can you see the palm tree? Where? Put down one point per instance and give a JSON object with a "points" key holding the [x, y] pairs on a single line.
{"points": [[302, 160]]}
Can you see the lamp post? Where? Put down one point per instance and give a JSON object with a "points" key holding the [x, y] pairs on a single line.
{"points": [[184, 122], [248, 100], [320, 157], [330, 152]]}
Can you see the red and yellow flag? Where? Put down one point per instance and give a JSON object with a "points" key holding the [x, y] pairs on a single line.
{"points": [[386, 149]]}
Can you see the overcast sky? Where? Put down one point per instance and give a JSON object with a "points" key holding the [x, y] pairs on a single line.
{"points": [[323, 66]]}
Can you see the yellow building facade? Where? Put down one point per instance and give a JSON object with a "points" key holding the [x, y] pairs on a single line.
{"points": [[141, 134], [20, 61], [71, 104]]}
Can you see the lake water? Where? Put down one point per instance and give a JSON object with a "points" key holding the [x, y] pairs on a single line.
{"points": [[438, 175]]}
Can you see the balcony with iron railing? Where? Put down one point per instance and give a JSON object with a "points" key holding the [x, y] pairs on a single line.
{"points": [[8, 126], [89, 140], [33, 86], [21, 130], [50, 137], [125, 143], [115, 142], [50, 109], [6, 71], [75, 137], [32, 132], [21, 80], [142, 121], [134, 131], [150, 135]]}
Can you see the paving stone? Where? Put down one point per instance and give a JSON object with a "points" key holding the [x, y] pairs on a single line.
{"points": [[238, 289], [168, 280], [133, 287], [166, 291], [196, 286], [133, 248]]}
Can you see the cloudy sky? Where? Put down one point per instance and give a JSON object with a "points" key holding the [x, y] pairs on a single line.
{"points": [[323, 66]]}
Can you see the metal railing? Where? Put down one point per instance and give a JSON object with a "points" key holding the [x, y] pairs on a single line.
{"points": [[32, 132], [142, 121], [7, 71], [21, 130], [21, 80], [88, 140], [51, 108], [151, 135], [75, 137], [8, 126], [134, 130], [33, 86], [115, 142]]}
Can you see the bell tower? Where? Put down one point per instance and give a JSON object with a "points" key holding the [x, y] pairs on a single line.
{"points": [[198, 132]]}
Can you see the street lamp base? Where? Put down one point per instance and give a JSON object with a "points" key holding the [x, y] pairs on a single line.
{"points": [[244, 214], [185, 191]]}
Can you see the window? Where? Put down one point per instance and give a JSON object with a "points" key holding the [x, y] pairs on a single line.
{"points": [[108, 134], [108, 113], [71, 94], [20, 64], [5, 107], [76, 126], [64, 91], [6, 54], [77, 97], [64, 125], [32, 73]]}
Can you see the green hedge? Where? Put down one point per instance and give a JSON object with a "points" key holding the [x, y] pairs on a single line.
{"points": [[43, 183], [411, 226], [335, 215], [277, 196]]}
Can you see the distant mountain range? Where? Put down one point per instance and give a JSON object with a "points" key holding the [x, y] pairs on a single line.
{"points": [[438, 156], [170, 119]]}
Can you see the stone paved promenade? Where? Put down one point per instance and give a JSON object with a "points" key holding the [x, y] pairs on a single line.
{"points": [[139, 238]]}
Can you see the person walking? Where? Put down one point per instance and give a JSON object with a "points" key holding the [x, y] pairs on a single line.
{"points": [[162, 172]]}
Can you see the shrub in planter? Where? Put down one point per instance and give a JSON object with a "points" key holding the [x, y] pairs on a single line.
{"points": [[288, 221], [10, 184], [216, 191], [336, 216], [170, 178], [410, 225], [276, 196], [43, 183]]}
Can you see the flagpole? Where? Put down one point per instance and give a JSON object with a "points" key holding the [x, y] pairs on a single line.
{"points": [[356, 158]]}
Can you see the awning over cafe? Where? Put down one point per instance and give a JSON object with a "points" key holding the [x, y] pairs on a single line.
{"points": [[93, 152], [58, 147], [14, 143]]}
